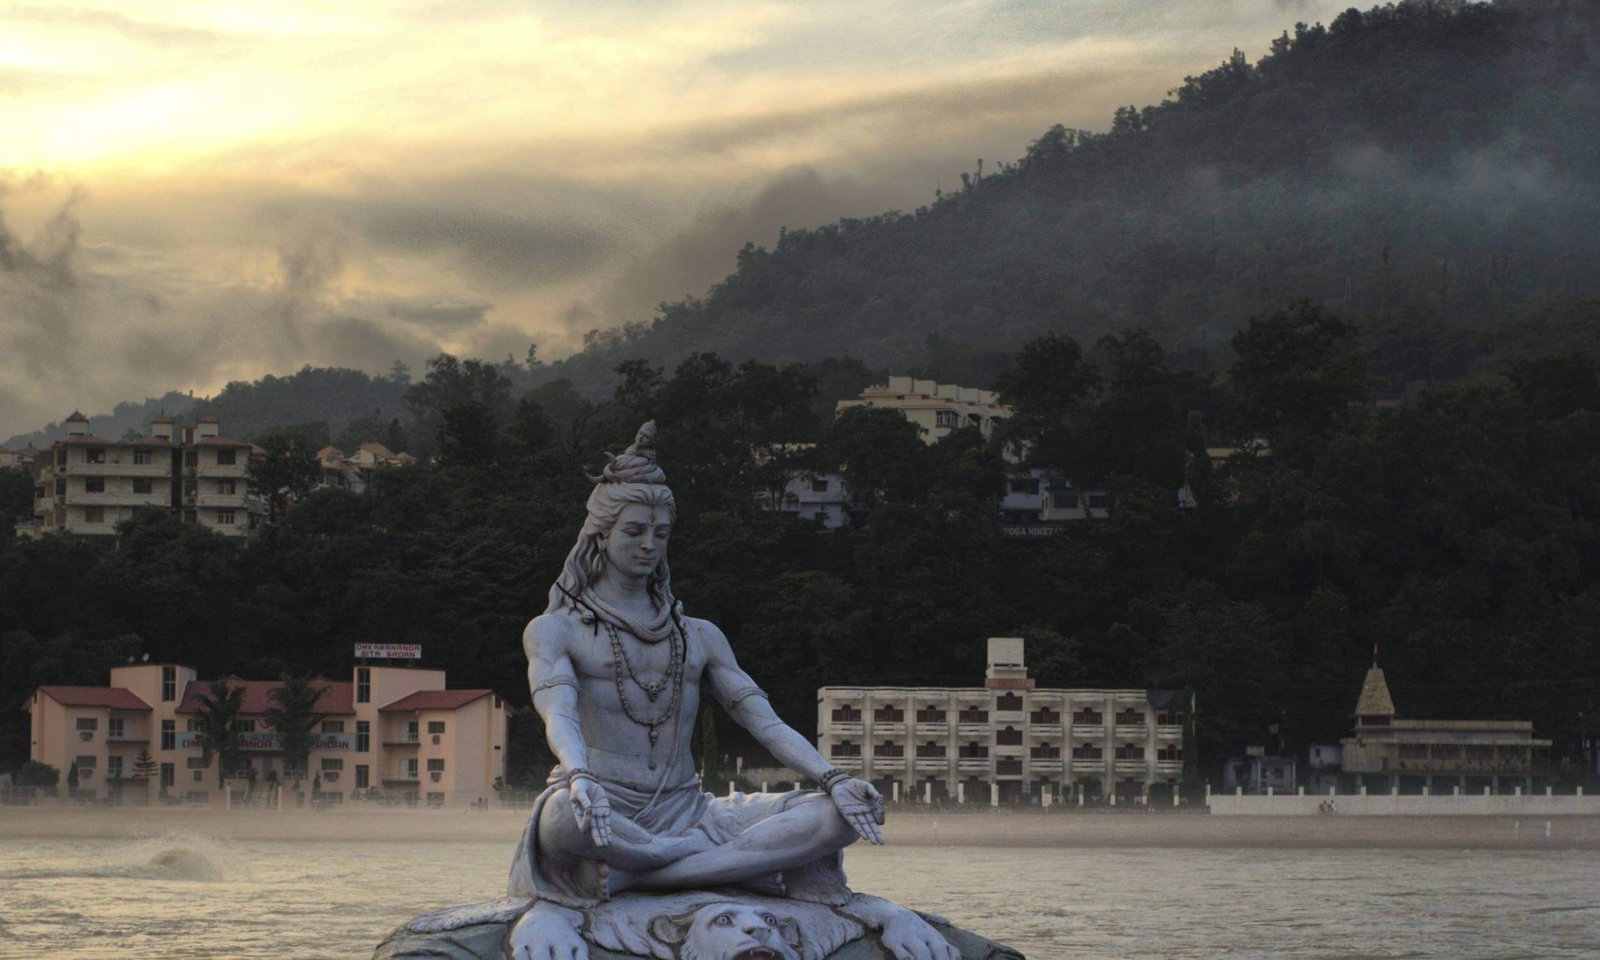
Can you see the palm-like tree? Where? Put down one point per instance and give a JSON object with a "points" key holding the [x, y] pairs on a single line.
{"points": [[219, 713], [294, 716]]}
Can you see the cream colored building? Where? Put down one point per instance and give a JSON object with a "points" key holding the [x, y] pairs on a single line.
{"points": [[1005, 742], [389, 730], [938, 408], [1387, 753], [88, 484]]}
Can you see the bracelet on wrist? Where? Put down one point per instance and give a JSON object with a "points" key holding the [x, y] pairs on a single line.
{"points": [[832, 777], [581, 773]]}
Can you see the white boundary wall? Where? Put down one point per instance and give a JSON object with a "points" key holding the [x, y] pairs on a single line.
{"points": [[1388, 805]]}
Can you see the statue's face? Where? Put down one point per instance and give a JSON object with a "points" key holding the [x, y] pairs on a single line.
{"points": [[732, 931], [638, 540]]}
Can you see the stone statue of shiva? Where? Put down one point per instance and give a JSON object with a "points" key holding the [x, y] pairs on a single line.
{"points": [[617, 673]]}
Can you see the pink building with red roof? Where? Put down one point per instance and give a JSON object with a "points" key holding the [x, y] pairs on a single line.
{"points": [[389, 730]]}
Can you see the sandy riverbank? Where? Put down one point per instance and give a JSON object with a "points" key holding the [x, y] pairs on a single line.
{"points": [[978, 828]]}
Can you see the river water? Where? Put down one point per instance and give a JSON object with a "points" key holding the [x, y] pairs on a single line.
{"points": [[192, 897]]}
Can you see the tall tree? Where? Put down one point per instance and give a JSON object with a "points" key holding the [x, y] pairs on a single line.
{"points": [[287, 471], [294, 717], [220, 703]]}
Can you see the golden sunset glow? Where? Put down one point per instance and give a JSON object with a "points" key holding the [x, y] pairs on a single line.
{"points": [[259, 186]]}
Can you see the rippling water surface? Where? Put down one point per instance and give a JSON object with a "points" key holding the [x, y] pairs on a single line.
{"points": [[191, 897]]}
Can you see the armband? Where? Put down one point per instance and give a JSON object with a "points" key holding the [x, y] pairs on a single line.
{"points": [[560, 680], [745, 693], [832, 777]]}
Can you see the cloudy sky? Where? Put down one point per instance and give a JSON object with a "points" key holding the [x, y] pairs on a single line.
{"points": [[199, 192]]}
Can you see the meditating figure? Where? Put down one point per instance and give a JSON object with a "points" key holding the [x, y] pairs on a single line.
{"points": [[617, 672]]}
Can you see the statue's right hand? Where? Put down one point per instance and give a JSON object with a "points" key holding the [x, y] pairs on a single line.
{"points": [[592, 808]]}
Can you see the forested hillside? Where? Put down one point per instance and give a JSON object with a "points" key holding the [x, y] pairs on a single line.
{"points": [[1429, 168], [1458, 533]]}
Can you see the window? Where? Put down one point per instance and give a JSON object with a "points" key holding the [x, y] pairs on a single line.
{"points": [[1064, 501], [195, 725], [87, 723], [888, 749], [1086, 753], [845, 748], [332, 765], [114, 728], [168, 775], [94, 484], [1169, 718], [196, 763], [61, 488], [363, 736], [85, 765], [1130, 752], [94, 514], [1008, 766], [245, 726], [191, 458], [1045, 752], [225, 487], [114, 767], [411, 730], [1009, 737], [226, 458], [1130, 717], [1009, 703], [1088, 717], [1170, 753], [1046, 716], [931, 751], [436, 726], [930, 715], [143, 485], [363, 776], [169, 684], [436, 765], [141, 457], [819, 484], [61, 457], [947, 419], [333, 726], [363, 685], [191, 487], [411, 767], [94, 455], [889, 715], [846, 714], [972, 751], [973, 715], [169, 735]]}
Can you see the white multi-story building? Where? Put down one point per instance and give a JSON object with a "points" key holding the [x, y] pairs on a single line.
{"points": [[87, 484], [938, 408], [1005, 742], [391, 730]]}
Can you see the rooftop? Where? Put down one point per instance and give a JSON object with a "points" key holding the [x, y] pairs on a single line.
{"points": [[436, 700], [339, 698], [116, 698]]}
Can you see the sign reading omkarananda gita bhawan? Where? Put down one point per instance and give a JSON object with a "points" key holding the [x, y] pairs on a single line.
{"points": [[388, 651], [270, 742]]}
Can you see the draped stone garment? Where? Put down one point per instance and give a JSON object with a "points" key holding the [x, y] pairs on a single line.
{"points": [[580, 881]]}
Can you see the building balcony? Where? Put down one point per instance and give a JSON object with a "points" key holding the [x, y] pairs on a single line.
{"points": [[402, 741], [888, 763], [402, 776], [226, 501], [1051, 765], [1130, 766], [1169, 731], [846, 763], [1088, 731], [1014, 717], [1088, 766], [1128, 731], [938, 729], [977, 730], [973, 764], [1039, 732], [1169, 768], [237, 470], [116, 498], [933, 763], [843, 728]]}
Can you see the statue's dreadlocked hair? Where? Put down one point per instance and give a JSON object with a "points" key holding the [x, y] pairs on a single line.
{"points": [[632, 477]]}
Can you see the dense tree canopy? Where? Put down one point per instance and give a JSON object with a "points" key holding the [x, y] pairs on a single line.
{"points": [[1458, 532]]}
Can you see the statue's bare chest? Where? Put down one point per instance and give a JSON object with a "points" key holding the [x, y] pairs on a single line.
{"points": [[604, 655]]}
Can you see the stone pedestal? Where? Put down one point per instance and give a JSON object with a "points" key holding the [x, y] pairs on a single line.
{"points": [[662, 927]]}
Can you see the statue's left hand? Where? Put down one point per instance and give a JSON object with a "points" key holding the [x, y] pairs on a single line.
{"points": [[862, 807]]}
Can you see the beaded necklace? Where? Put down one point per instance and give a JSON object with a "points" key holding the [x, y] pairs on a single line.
{"points": [[673, 676]]}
